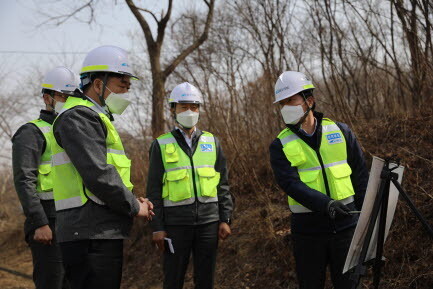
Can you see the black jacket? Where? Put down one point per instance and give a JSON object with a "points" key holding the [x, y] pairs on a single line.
{"points": [[28, 145], [196, 213], [288, 179], [82, 134]]}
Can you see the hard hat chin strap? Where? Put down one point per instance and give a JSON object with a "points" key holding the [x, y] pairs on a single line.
{"points": [[101, 96], [102, 99]]}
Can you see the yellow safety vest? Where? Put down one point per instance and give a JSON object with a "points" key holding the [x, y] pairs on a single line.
{"points": [[185, 177], [44, 187], [325, 170], [68, 186]]}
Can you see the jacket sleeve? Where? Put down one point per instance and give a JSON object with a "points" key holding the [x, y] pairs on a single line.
{"points": [[28, 145], [356, 161], [288, 179], [82, 134], [154, 186], [225, 199]]}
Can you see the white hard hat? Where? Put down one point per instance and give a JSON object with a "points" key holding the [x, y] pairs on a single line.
{"points": [[60, 79], [290, 83], [107, 58], [185, 93]]}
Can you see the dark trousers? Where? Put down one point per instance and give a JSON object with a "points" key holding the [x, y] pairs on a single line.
{"points": [[91, 264], [313, 253], [48, 270], [202, 242]]}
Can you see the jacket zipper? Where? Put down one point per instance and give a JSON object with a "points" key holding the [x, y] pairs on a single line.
{"points": [[325, 180], [194, 184]]}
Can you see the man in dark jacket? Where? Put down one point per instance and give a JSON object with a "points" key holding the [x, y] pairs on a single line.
{"points": [[321, 167], [188, 185], [31, 160], [92, 188]]}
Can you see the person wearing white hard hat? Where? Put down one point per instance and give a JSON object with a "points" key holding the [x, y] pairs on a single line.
{"points": [[188, 185], [92, 187], [319, 164], [31, 159]]}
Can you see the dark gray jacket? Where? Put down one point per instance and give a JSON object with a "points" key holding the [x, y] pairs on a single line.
{"points": [[28, 145], [196, 213], [82, 134]]}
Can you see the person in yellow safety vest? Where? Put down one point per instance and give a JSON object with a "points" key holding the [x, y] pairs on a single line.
{"points": [[92, 187], [319, 164], [31, 161], [188, 185]]}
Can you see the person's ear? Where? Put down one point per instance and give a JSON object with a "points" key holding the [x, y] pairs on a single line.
{"points": [[97, 86], [47, 99], [310, 101]]}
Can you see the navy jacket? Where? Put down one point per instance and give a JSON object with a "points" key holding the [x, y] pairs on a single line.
{"points": [[288, 179]]}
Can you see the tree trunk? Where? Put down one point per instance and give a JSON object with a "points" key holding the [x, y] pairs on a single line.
{"points": [[158, 101]]}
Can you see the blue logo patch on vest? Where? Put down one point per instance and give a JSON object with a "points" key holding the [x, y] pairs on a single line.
{"points": [[206, 148], [334, 138]]}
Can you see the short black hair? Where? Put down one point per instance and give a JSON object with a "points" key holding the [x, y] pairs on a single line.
{"points": [[99, 75], [48, 91]]}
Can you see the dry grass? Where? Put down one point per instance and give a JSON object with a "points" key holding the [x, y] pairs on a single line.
{"points": [[258, 254]]}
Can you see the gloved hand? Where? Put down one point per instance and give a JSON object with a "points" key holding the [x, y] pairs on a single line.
{"points": [[337, 208]]}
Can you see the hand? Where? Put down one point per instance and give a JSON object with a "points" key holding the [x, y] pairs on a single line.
{"points": [[146, 208], [43, 235], [336, 208], [146, 200], [224, 231], [158, 239]]}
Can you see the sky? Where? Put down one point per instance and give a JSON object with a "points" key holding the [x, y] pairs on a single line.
{"points": [[28, 47]]}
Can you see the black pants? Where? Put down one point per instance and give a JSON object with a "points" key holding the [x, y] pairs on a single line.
{"points": [[313, 253], [93, 263], [48, 270], [202, 242]]}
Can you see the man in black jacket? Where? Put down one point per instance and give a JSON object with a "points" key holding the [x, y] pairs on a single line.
{"points": [[92, 189], [188, 185], [321, 167], [31, 160]]}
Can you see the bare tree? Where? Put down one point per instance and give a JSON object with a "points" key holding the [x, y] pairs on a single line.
{"points": [[160, 72]]}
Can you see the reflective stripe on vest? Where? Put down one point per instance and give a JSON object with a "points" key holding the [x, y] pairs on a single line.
{"points": [[184, 179], [333, 152], [44, 185], [69, 190]]}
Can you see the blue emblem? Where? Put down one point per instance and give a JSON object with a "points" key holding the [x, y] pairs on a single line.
{"points": [[334, 138], [206, 148]]}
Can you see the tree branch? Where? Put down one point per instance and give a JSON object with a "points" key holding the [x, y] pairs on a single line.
{"points": [[170, 68], [163, 24], [150, 12], [63, 18], [144, 25]]}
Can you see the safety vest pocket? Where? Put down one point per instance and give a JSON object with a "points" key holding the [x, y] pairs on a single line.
{"points": [[294, 153], [177, 185], [112, 135], [311, 179], [209, 180], [340, 183], [45, 181], [171, 155], [123, 167]]}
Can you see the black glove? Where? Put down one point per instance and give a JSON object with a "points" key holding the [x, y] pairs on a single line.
{"points": [[337, 208]]}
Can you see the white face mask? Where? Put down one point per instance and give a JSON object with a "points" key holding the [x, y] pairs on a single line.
{"points": [[117, 103], [58, 106], [292, 114], [188, 118]]}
